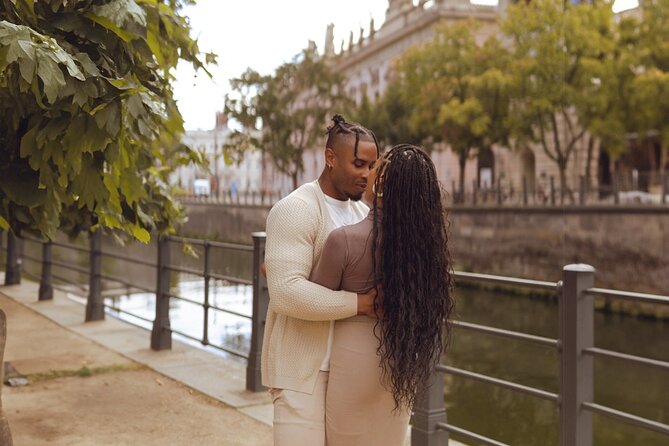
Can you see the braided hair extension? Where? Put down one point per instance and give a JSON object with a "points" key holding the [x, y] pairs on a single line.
{"points": [[342, 129], [413, 264]]}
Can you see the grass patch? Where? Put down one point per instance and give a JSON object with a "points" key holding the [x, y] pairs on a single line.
{"points": [[83, 372]]}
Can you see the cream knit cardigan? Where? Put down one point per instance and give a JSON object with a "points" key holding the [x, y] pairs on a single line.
{"points": [[300, 311]]}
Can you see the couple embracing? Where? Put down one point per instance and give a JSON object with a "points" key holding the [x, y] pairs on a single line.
{"points": [[359, 294]]}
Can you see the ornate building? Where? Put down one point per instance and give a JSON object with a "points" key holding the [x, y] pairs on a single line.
{"points": [[368, 60]]}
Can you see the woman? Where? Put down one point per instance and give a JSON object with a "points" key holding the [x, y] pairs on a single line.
{"points": [[378, 365]]}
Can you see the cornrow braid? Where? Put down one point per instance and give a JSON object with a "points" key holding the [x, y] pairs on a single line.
{"points": [[341, 128]]}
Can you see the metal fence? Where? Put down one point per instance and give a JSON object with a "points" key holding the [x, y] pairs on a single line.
{"points": [[576, 294]]}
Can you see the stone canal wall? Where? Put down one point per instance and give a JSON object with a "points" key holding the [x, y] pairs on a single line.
{"points": [[629, 246]]}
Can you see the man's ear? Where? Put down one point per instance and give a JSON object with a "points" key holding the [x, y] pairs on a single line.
{"points": [[330, 157]]}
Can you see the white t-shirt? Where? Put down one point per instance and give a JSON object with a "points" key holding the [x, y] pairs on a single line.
{"points": [[341, 214]]}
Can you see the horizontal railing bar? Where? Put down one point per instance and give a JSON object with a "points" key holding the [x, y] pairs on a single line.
{"points": [[503, 280], [70, 266], [200, 242], [129, 259], [628, 295], [628, 418], [185, 299], [71, 282], [506, 333], [128, 284], [468, 434], [183, 269], [225, 349], [594, 351], [33, 240], [115, 308], [231, 279], [229, 350], [499, 382], [73, 247], [31, 258], [245, 316]]}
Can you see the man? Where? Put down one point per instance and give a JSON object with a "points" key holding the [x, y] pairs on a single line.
{"points": [[299, 327]]}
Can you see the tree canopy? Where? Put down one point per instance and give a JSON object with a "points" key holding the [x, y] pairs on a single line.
{"points": [[288, 107], [86, 108]]}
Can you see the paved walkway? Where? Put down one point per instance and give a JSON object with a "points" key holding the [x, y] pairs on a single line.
{"points": [[99, 383]]}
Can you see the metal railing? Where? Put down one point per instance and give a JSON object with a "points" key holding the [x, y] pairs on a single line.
{"points": [[575, 399], [575, 344], [161, 332]]}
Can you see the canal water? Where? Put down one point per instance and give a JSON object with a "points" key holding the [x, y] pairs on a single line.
{"points": [[498, 413]]}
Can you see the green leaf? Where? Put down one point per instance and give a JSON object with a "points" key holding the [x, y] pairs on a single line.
{"points": [[141, 234], [4, 224]]}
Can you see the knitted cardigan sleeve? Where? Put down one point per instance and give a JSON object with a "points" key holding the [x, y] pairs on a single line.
{"points": [[292, 229]]}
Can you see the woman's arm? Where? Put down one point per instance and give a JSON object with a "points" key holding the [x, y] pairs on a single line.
{"points": [[330, 267]]}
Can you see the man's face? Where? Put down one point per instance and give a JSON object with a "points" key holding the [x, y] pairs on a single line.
{"points": [[350, 174]]}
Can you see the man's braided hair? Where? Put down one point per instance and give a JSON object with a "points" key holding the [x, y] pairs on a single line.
{"points": [[341, 129]]}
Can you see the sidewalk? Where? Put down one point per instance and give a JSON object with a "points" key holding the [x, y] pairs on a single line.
{"points": [[99, 383]]}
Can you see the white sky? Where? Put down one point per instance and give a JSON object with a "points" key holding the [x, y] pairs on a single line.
{"points": [[262, 34]]}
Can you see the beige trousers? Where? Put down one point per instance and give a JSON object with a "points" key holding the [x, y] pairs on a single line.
{"points": [[299, 418], [358, 408]]}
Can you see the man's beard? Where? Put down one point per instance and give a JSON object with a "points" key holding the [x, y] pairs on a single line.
{"points": [[355, 197]]}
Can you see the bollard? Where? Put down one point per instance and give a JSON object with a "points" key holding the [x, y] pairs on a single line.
{"points": [[14, 261], [161, 334], [95, 306], [260, 303], [576, 309], [45, 287], [429, 410]]}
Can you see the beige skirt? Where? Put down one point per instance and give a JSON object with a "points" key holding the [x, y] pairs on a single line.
{"points": [[358, 409]]}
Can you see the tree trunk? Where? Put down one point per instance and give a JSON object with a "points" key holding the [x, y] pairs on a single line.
{"points": [[462, 162], [293, 177], [562, 165], [588, 161]]}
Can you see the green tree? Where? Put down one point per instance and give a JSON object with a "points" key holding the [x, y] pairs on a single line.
{"points": [[557, 53], [458, 91], [85, 101], [289, 108], [650, 88]]}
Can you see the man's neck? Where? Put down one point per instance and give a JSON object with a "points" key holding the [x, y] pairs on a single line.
{"points": [[325, 182]]}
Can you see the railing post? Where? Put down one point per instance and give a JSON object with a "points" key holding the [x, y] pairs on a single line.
{"points": [[260, 303], [45, 287], [665, 187], [95, 306], [161, 334], [474, 192], [583, 190], [427, 412], [499, 192], [14, 261], [552, 190], [576, 310], [206, 306]]}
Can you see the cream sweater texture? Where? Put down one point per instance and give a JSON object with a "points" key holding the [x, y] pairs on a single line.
{"points": [[300, 311]]}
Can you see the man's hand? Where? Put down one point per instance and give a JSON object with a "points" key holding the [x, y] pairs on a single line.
{"points": [[366, 302]]}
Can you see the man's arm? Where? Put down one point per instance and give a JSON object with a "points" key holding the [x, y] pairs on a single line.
{"points": [[292, 228]]}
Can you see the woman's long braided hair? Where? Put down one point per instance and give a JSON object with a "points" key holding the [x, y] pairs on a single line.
{"points": [[413, 262]]}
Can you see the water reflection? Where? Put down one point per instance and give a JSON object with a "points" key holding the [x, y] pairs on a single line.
{"points": [[225, 330], [518, 419]]}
